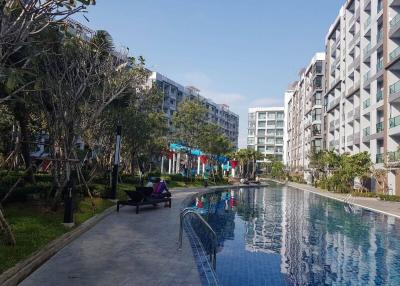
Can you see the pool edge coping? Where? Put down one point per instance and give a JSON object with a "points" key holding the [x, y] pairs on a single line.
{"points": [[337, 199]]}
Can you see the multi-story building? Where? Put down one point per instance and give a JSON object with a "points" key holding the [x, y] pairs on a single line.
{"points": [[304, 116], [265, 130], [219, 114], [362, 99]]}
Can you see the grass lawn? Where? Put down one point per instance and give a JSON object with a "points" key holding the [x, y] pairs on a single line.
{"points": [[35, 226]]}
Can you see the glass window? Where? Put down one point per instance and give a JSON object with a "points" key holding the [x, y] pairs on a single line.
{"points": [[279, 124], [270, 149], [279, 141], [280, 115], [271, 131], [261, 132], [250, 140], [261, 140], [252, 116], [271, 115], [316, 100], [271, 123], [271, 140], [261, 149], [279, 132], [261, 123], [261, 115], [316, 114], [252, 124]]}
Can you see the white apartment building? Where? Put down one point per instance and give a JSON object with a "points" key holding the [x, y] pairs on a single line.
{"points": [[266, 130], [218, 114], [362, 99], [304, 116]]}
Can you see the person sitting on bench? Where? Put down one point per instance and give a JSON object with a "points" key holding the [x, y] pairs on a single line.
{"points": [[160, 190]]}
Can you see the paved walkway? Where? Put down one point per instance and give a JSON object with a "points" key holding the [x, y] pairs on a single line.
{"points": [[391, 208], [125, 249]]}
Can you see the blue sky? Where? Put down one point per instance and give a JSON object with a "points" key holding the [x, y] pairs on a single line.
{"points": [[242, 53]]}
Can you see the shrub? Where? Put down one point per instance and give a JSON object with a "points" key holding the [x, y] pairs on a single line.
{"points": [[391, 198], [364, 194]]}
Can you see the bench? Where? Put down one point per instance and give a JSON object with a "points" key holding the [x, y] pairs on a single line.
{"points": [[141, 197]]}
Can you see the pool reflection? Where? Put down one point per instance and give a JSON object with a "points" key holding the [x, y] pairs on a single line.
{"points": [[278, 236]]}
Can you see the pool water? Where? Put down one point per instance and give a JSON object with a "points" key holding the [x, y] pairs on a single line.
{"points": [[283, 236]]}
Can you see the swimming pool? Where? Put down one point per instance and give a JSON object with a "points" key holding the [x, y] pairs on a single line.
{"points": [[283, 236]]}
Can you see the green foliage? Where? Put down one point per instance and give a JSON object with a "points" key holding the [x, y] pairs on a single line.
{"points": [[277, 169], [390, 198], [339, 170]]}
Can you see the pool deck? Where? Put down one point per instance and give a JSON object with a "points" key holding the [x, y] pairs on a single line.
{"points": [[126, 249], [386, 207]]}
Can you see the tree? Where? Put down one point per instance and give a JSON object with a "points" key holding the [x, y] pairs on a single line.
{"points": [[20, 22], [189, 123]]}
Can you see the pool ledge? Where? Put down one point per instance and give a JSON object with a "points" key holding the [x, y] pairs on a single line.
{"points": [[372, 204]]}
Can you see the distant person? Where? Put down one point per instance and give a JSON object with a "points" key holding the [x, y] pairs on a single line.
{"points": [[160, 189]]}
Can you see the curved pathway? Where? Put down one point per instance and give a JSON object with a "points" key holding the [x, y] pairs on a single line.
{"points": [[125, 249]]}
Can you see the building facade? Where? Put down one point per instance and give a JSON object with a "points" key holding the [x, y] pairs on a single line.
{"points": [[362, 99], [361, 91], [304, 116], [174, 93], [266, 130]]}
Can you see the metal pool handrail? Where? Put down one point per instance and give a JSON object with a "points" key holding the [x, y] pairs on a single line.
{"points": [[186, 211]]}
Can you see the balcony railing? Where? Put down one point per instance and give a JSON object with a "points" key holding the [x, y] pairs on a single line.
{"points": [[367, 22], [394, 156], [367, 49], [395, 53], [367, 131], [379, 127], [379, 65], [379, 158], [379, 95], [366, 103], [395, 121], [394, 88], [395, 20], [366, 76], [379, 36]]}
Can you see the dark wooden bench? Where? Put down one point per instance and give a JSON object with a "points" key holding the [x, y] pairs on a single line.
{"points": [[141, 197]]}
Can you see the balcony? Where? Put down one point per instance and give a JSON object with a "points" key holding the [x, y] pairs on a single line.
{"points": [[394, 157], [367, 23], [394, 54], [395, 121], [394, 88], [366, 103], [395, 23], [379, 159], [379, 127], [379, 95], [379, 65], [366, 76]]}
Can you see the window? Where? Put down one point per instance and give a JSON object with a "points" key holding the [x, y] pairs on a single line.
{"points": [[252, 116], [316, 114], [252, 124], [316, 130], [316, 100], [261, 132], [250, 140], [261, 140], [271, 115], [317, 82], [270, 149], [261, 115], [279, 141], [261, 149], [271, 123], [280, 115], [279, 123], [251, 132], [279, 132], [271, 132], [261, 123], [271, 141], [318, 67]]}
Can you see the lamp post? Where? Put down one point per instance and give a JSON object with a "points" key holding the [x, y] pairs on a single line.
{"points": [[114, 181]]}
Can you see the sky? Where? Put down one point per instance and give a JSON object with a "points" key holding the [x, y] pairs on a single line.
{"points": [[241, 53]]}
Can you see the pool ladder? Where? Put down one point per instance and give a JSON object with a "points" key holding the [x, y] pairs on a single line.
{"points": [[191, 211]]}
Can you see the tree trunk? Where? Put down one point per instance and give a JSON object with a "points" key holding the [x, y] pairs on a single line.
{"points": [[6, 227], [22, 116]]}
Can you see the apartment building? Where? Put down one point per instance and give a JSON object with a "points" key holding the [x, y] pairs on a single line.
{"points": [[304, 116], [174, 93], [362, 99], [266, 130]]}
